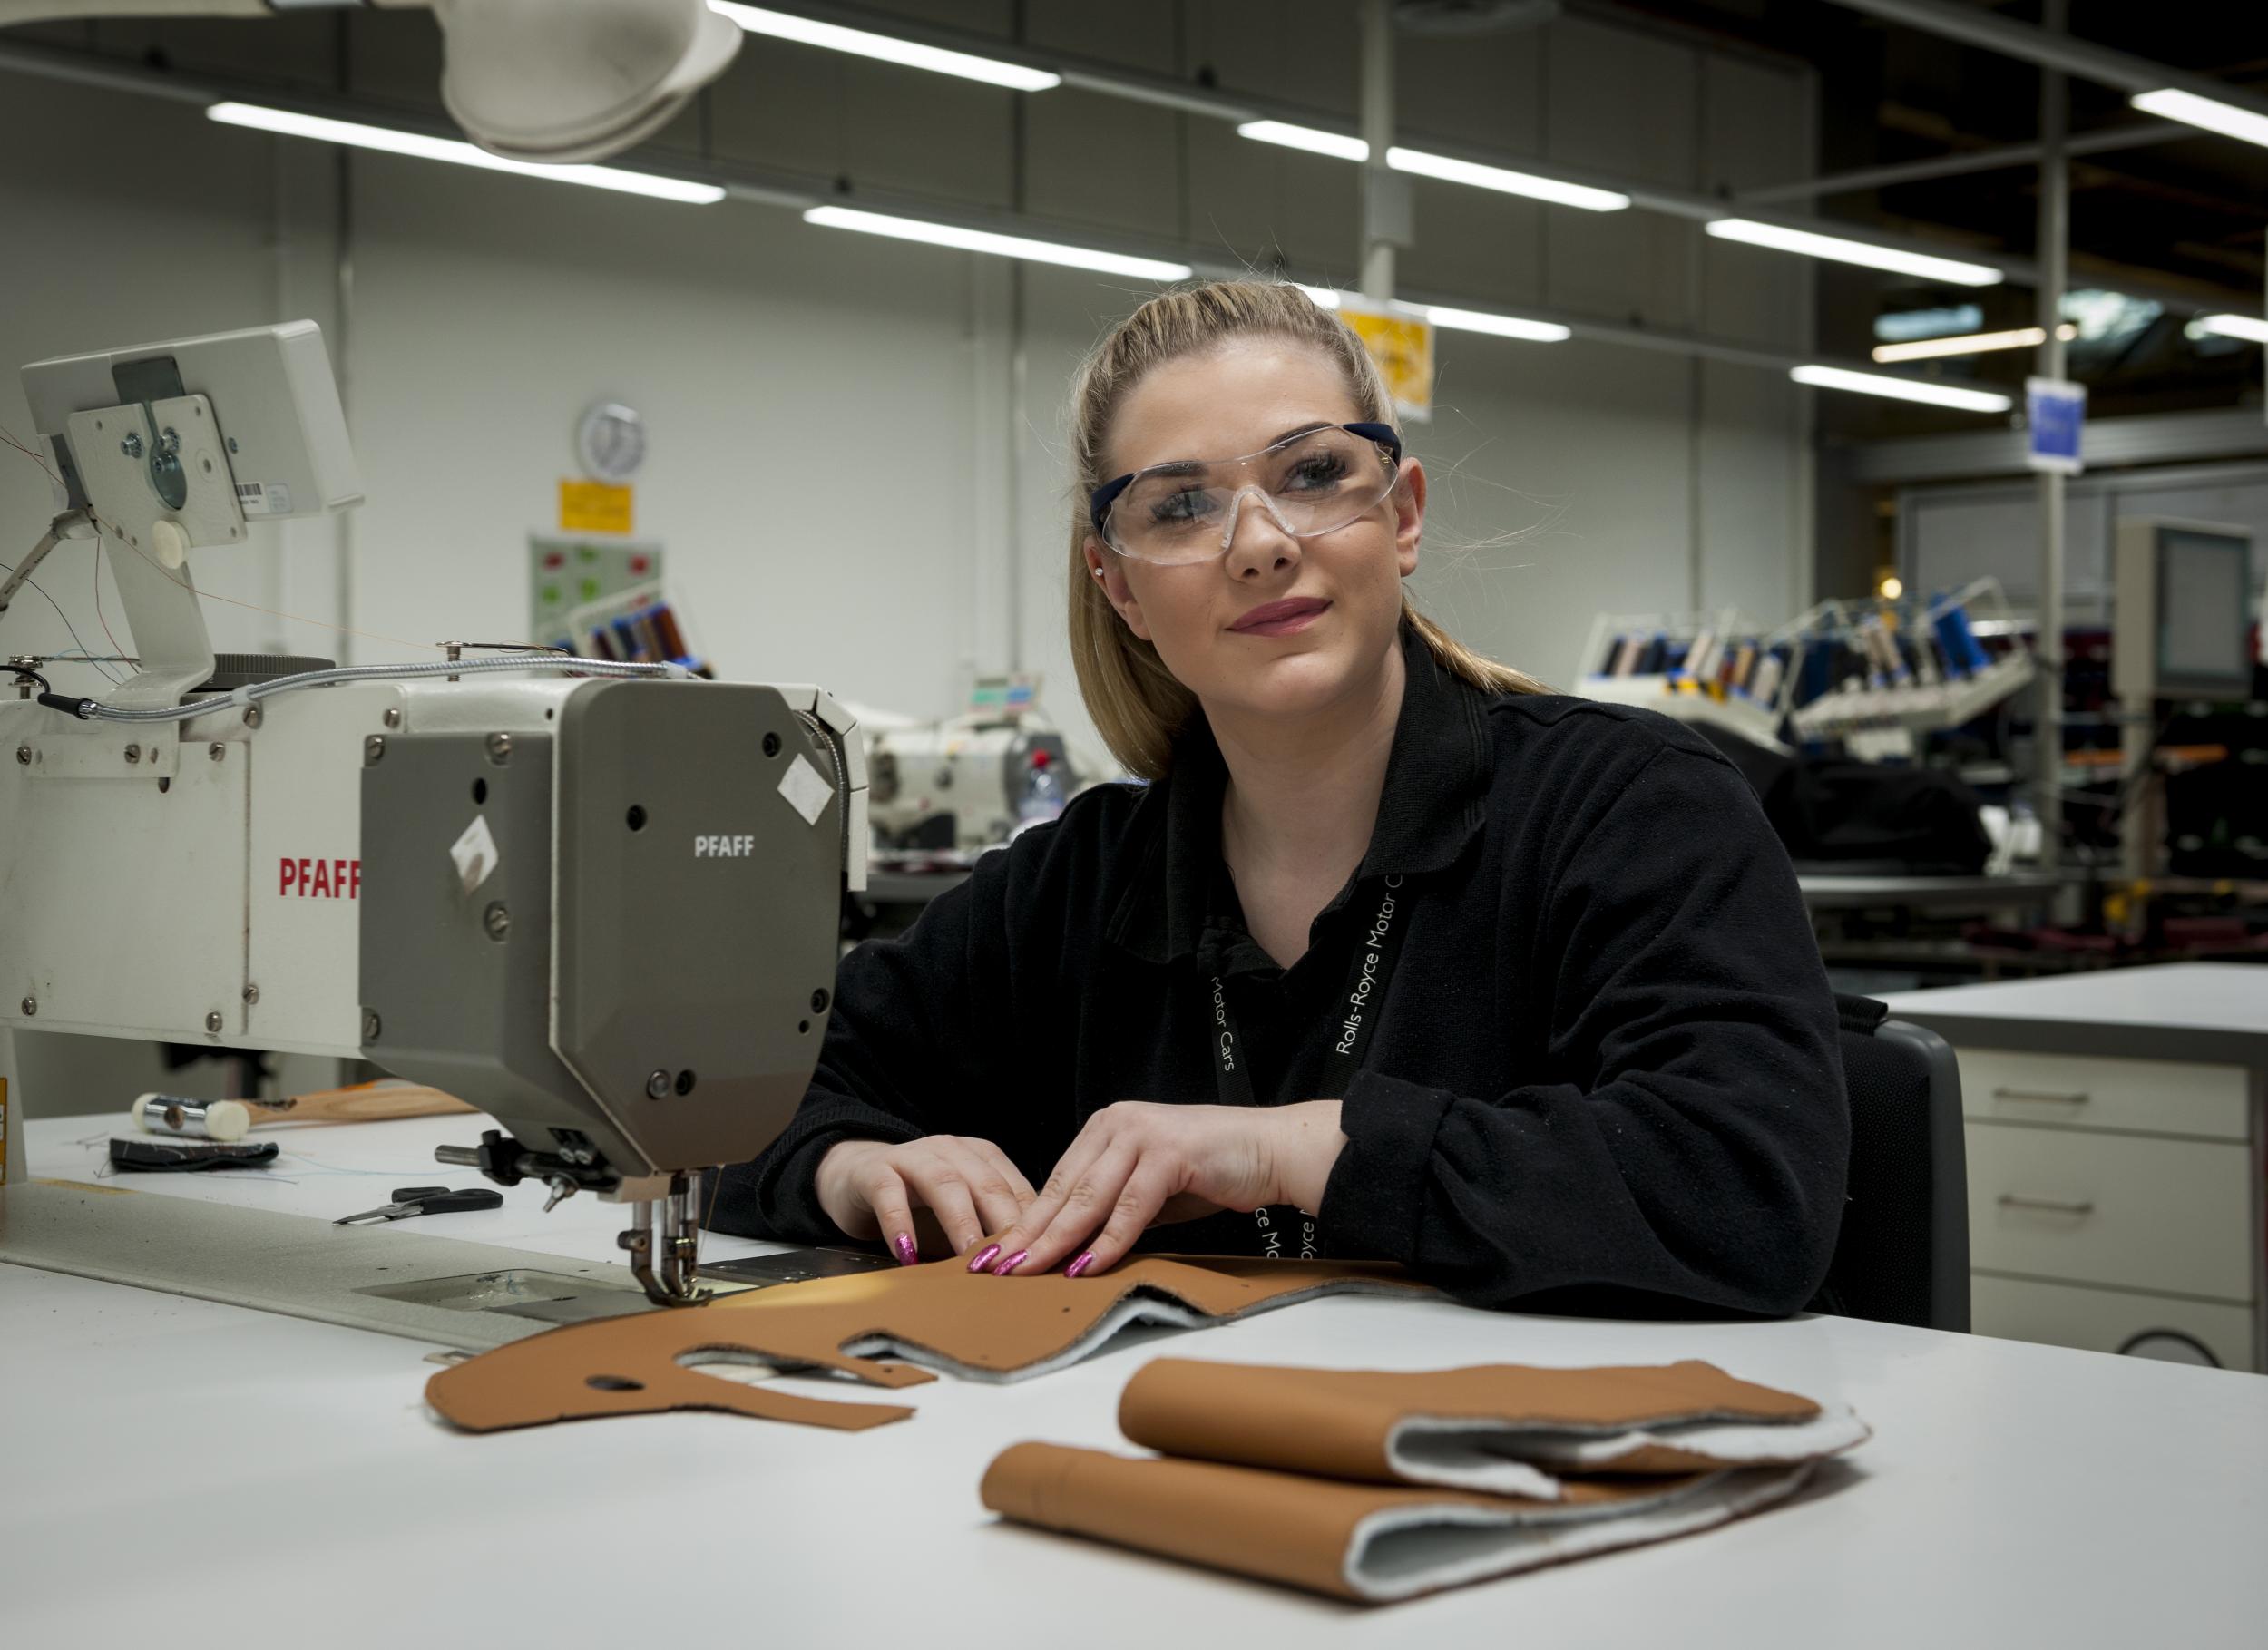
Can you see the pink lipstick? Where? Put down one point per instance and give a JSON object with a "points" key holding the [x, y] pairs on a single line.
{"points": [[1286, 617]]}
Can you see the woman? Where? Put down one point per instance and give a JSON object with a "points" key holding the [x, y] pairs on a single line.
{"points": [[1398, 957]]}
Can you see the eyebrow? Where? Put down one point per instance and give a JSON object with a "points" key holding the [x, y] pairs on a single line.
{"points": [[1191, 467]]}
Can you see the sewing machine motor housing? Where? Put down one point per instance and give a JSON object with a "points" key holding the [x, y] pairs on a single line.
{"points": [[644, 968]]}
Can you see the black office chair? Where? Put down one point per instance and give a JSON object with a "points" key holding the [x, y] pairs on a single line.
{"points": [[1902, 1255]]}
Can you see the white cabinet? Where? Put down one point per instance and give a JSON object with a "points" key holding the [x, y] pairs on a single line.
{"points": [[2113, 1200], [2151, 1097], [2126, 1210], [2111, 1320]]}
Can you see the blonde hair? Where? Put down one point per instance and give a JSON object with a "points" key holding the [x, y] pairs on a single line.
{"points": [[1136, 702]]}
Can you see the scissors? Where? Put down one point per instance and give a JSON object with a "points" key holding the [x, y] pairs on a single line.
{"points": [[410, 1200]]}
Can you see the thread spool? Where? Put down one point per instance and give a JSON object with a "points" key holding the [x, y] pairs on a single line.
{"points": [[173, 1114], [1966, 653]]}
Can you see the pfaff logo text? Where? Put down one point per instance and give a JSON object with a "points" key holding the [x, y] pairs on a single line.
{"points": [[319, 879], [723, 847]]}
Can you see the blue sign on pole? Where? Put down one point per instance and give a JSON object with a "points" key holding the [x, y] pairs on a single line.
{"points": [[2055, 412]]}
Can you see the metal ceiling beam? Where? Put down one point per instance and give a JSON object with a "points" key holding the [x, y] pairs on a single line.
{"points": [[798, 191], [2151, 438], [2102, 65], [1110, 80], [1997, 159], [1163, 90]]}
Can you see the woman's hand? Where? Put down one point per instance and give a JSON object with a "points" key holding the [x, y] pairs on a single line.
{"points": [[1137, 1163], [870, 1188]]}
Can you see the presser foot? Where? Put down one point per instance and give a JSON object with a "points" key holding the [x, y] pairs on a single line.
{"points": [[664, 1245]]}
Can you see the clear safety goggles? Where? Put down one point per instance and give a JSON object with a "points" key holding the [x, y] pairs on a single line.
{"points": [[1310, 484]]}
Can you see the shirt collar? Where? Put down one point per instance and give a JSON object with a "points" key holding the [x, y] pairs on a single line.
{"points": [[1432, 806]]}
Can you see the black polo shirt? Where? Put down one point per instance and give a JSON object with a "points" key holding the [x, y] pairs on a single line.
{"points": [[1603, 1065]]}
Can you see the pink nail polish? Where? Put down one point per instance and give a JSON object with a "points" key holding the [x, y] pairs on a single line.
{"points": [[908, 1255], [1080, 1265], [1011, 1263], [984, 1258]]}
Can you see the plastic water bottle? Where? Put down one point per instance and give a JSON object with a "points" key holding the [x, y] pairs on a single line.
{"points": [[1042, 795]]}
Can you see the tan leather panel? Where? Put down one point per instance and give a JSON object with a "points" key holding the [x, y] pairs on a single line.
{"points": [[1275, 1526], [982, 1323], [1337, 1423]]}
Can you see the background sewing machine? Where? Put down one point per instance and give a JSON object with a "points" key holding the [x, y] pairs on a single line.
{"points": [[964, 784], [600, 906]]}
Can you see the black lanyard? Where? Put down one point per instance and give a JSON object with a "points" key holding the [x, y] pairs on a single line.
{"points": [[1348, 1037], [1359, 1006]]}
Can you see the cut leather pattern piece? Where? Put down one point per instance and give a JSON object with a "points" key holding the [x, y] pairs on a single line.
{"points": [[1505, 1428], [1367, 1542], [941, 1315]]}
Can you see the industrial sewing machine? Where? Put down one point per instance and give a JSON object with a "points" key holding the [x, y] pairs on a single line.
{"points": [[597, 901], [959, 785]]}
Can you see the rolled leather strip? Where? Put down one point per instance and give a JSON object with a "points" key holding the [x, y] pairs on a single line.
{"points": [[1507, 1429], [1371, 1543]]}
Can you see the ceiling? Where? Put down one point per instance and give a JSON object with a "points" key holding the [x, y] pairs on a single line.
{"points": [[2187, 215]]}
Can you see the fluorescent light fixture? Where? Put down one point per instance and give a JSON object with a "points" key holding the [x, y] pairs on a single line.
{"points": [[1971, 344], [1505, 182], [1835, 247], [804, 31], [1332, 144], [1462, 320], [2212, 114], [1902, 389], [2250, 328], [1003, 245], [1340, 147], [421, 147], [1500, 325]]}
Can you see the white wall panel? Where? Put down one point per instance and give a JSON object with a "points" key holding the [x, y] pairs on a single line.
{"points": [[1626, 104], [1103, 160], [814, 468], [1559, 475], [1752, 122], [1748, 462]]}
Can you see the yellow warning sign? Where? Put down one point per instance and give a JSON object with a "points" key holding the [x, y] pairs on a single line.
{"points": [[1403, 346], [593, 507]]}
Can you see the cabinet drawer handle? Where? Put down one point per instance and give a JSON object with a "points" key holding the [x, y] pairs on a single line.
{"points": [[2010, 1200], [2040, 1094]]}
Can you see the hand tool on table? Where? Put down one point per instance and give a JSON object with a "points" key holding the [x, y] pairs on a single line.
{"points": [[190, 1155], [173, 1114], [410, 1200]]}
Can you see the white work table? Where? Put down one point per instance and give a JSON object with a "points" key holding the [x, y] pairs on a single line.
{"points": [[183, 1473], [2216, 1012]]}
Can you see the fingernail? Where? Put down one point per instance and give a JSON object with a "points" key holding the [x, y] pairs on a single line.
{"points": [[908, 1255], [1080, 1265], [984, 1258], [1011, 1263]]}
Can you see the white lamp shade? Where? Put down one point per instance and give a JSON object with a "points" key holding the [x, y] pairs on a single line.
{"points": [[556, 81]]}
